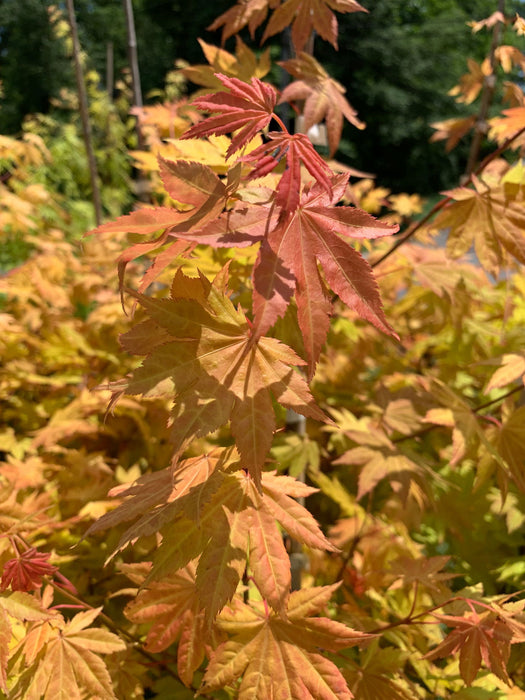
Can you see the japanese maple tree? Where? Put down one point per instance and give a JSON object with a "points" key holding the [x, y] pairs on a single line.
{"points": [[273, 289]]}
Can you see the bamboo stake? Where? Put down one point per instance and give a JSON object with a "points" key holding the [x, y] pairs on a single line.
{"points": [[110, 71], [84, 114], [133, 57]]}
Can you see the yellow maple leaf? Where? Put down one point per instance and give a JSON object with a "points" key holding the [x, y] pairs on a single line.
{"points": [[470, 83], [512, 368], [484, 217], [243, 65], [452, 130], [406, 204]]}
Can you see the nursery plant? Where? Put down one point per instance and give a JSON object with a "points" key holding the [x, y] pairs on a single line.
{"points": [[374, 552]]}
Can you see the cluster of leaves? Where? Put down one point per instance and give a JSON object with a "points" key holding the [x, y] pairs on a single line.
{"points": [[407, 364]]}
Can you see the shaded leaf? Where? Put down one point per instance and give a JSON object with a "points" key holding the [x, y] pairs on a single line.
{"points": [[276, 656], [323, 96]]}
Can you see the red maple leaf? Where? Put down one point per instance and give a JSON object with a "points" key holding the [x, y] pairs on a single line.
{"points": [[25, 572], [297, 149], [317, 231], [247, 106], [480, 638]]}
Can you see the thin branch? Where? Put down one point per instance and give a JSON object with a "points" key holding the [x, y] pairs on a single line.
{"points": [[489, 85], [439, 205], [481, 407]]}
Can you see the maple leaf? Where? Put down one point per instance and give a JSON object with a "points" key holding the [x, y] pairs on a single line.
{"points": [[219, 370], [424, 570], [280, 657], [192, 184], [519, 25], [297, 149], [324, 97], [22, 607], [510, 443], [384, 461], [317, 231], [507, 126], [247, 107], [471, 83], [406, 205], [25, 572], [489, 219], [489, 22], [251, 13], [173, 608], [452, 130], [244, 65], [220, 516], [479, 637], [467, 433], [512, 368], [372, 678], [67, 663], [307, 16], [509, 56]]}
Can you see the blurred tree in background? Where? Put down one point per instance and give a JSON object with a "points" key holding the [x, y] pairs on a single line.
{"points": [[401, 62], [33, 65], [397, 68]]}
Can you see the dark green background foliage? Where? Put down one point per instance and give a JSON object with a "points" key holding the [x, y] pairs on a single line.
{"points": [[33, 66], [397, 63]]}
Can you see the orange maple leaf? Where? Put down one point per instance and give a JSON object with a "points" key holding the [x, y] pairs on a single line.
{"points": [[218, 370], [483, 637], [173, 608], [471, 83], [317, 231], [67, 664], [203, 508], [489, 22], [508, 126], [324, 97], [452, 130], [509, 56], [195, 186], [307, 16], [271, 653], [251, 13]]}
